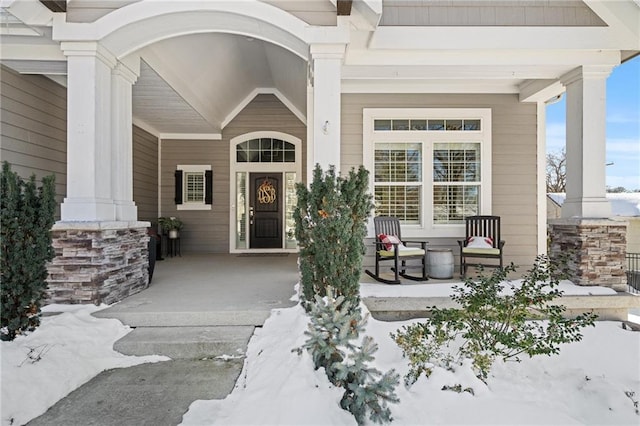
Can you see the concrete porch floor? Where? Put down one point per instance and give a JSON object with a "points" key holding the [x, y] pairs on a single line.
{"points": [[198, 290], [211, 290]]}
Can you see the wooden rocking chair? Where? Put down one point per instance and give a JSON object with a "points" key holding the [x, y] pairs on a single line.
{"points": [[482, 240], [391, 247]]}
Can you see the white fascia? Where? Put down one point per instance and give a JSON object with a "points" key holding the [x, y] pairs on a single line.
{"points": [[191, 136], [430, 86], [540, 90], [262, 91], [31, 12], [139, 24], [465, 38], [31, 51], [622, 16], [489, 57], [146, 127]]}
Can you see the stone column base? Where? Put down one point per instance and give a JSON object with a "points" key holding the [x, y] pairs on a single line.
{"points": [[98, 262], [595, 249]]}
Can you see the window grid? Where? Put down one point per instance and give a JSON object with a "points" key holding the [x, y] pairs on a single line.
{"points": [[241, 214], [398, 180], [265, 150], [291, 202], [456, 177], [438, 125], [194, 187]]}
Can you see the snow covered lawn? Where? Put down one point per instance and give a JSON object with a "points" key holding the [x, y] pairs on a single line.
{"points": [[65, 352], [596, 381]]}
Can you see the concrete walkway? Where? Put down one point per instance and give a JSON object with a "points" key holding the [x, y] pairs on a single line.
{"points": [[201, 311]]}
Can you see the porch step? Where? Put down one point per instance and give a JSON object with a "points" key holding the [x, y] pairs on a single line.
{"points": [[141, 318], [614, 307], [187, 342]]}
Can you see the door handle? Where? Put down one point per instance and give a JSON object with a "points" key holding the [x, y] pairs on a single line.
{"points": [[250, 215]]}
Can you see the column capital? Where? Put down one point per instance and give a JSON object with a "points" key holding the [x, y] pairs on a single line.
{"points": [[122, 70], [586, 72], [89, 48], [327, 50]]}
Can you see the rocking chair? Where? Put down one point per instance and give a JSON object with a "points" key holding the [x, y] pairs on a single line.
{"points": [[482, 240], [391, 247]]}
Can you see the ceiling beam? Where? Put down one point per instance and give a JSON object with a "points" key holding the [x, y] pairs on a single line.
{"points": [[55, 5]]}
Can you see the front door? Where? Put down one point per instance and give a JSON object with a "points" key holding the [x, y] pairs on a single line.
{"points": [[265, 210]]}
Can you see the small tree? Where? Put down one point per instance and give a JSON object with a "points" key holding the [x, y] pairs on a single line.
{"points": [[330, 222], [335, 325], [493, 323], [556, 171], [27, 214]]}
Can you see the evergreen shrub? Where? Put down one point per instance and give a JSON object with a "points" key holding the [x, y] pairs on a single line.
{"points": [[493, 322], [331, 227], [26, 216], [334, 328]]}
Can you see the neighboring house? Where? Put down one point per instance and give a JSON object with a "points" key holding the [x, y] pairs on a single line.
{"points": [[196, 108], [624, 206]]}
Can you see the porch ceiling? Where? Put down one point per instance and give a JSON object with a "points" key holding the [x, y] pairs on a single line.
{"points": [[195, 83]]}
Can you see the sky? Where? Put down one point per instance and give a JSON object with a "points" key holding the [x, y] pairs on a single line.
{"points": [[623, 126]]}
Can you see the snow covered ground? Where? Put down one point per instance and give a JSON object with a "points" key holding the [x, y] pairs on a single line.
{"points": [[596, 381], [66, 351]]}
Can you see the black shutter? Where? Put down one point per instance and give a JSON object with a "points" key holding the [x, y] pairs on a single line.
{"points": [[178, 198], [208, 187]]}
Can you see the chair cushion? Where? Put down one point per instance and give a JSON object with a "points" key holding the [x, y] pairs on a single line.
{"points": [[402, 252], [480, 242], [481, 251], [389, 241]]}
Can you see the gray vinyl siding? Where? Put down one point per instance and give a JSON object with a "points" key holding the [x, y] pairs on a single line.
{"points": [[204, 230], [208, 230], [514, 159], [33, 126], [488, 13], [145, 174]]}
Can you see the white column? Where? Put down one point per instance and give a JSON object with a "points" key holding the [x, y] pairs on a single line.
{"points": [[122, 142], [311, 164], [88, 133], [586, 142], [327, 67]]}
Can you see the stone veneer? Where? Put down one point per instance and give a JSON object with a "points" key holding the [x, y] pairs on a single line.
{"points": [[98, 262], [596, 250]]}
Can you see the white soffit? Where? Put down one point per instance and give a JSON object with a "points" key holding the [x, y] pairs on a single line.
{"points": [[157, 105]]}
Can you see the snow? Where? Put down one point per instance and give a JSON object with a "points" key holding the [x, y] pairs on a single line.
{"points": [[72, 347], [595, 381]]}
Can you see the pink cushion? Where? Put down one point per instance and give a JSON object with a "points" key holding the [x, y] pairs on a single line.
{"points": [[479, 242], [388, 240]]}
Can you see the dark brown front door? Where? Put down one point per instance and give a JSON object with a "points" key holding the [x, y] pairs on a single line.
{"points": [[266, 210]]}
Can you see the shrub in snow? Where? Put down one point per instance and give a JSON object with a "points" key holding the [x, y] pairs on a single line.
{"points": [[335, 325], [27, 214], [330, 220], [492, 323]]}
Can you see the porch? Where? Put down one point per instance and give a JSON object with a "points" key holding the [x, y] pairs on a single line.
{"points": [[204, 289], [198, 290]]}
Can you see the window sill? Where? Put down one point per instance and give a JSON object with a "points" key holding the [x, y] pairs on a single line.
{"points": [[193, 207]]}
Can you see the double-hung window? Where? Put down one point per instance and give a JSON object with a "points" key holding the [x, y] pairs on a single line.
{"points": [[431, 167], [194, 187]]}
